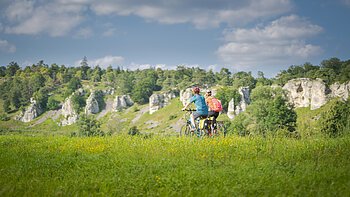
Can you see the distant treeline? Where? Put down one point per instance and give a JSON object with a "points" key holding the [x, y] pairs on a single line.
{"points": [[18, 85]]}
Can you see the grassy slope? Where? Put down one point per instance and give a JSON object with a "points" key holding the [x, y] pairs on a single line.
{"points": [[124, 165]]}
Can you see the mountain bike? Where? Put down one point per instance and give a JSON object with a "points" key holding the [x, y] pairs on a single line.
{"points": [[216, 128], [201, 129]]}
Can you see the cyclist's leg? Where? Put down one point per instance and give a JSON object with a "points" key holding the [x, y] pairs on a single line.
{"points": [[194, 116]]}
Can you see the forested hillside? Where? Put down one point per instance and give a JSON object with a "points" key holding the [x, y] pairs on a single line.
{"points": [[49, 85]]}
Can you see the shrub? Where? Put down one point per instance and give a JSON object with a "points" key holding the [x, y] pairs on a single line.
{"points": [[4, 117], [133, 131], [89, 126], [335, 121]]}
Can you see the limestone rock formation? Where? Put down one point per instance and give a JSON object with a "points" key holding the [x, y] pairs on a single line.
{"points": [[185, 96], [340, 90], [157, 101], [70, 116], [233, 110], [32, 111], [306, 92], [92, 104], [122, 102]]}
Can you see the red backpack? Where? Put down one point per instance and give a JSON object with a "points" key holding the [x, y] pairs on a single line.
{"points": [[216, 105]]}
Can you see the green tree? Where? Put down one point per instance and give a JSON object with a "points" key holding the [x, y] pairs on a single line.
{"points": [[11, 69], [243, 79], [336, 121]]}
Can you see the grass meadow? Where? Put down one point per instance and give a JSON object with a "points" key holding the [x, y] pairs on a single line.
{"points": [[34, 165]]}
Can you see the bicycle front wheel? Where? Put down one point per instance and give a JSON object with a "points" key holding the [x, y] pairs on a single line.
{"points": [[185, 130]]}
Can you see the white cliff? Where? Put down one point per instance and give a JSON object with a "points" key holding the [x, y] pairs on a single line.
{"points": [[158, 101], [122, 102], [32, 111], [92, 104]]}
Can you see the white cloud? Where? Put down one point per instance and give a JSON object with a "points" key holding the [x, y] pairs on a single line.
{"points": [[60, 17], [56, 18], [202, 14], [277, 43], [103, 62], [7, 47]]}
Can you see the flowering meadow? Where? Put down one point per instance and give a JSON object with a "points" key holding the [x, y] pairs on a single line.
{"points": [[122, 165]]}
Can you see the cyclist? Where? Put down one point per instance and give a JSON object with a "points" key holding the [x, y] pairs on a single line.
{"points": [[201, 106], [214, 106]]}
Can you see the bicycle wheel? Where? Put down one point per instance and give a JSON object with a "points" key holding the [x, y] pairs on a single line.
{"points": [[185, 130]]}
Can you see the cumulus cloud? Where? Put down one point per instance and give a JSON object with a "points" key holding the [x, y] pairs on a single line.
{"points": [[7, 47], [206, 13], [59, 17], [104, 62], [276, 43], [55, 18]]}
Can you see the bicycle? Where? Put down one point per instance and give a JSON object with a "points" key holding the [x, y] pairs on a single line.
{"points": [[201, 129], [216, 128]]}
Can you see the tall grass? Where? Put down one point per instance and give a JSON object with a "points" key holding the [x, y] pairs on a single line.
{"points": [[133, 166]]}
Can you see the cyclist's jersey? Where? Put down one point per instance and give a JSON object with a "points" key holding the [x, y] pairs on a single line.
{"points": [[201, 106]]}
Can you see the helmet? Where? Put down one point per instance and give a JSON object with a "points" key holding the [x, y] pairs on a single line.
{"points": [[196, 90]]}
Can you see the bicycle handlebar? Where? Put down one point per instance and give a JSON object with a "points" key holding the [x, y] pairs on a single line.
{"points": [[190, 110]]}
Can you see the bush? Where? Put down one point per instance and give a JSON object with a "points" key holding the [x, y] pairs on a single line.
{"points": [[52, 104], [88, 126], [335, 121], [134, 131], [4, 117]]}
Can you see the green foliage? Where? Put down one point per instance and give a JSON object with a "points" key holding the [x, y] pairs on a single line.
{"points": [[78, 102], [133, 131], [74, 84], [4, 117], [336, 121], [331, 71], [243, 79], [268, 113], [225, 94], [41, 97], [89, 126], [52, 104]]}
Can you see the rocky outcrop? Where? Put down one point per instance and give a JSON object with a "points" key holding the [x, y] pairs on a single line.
{"points": [[92, 104], [340, 90], [158, 101], [108, 91], [233, 110], [70, 116], [185, 95], [122, 102], [306, 92], [32, 111]]}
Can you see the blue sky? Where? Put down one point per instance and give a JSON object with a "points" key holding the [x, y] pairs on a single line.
{"points": [[242, 35]]}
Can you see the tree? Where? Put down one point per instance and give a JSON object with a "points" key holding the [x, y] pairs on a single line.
{"points": [[336, 121], [11, 69], [225, 94], [243, 79], [224, 77]]}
